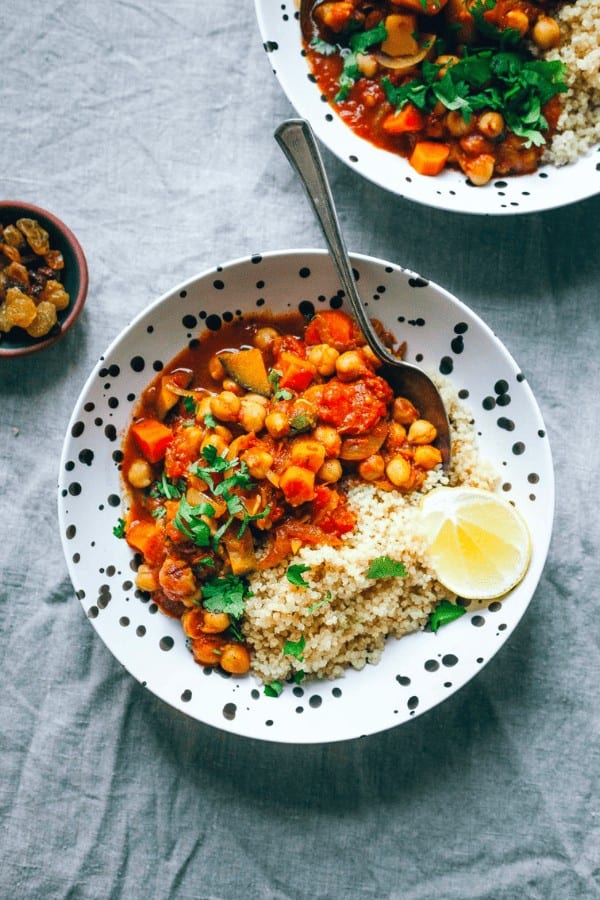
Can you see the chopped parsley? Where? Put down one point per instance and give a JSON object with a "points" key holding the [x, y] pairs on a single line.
{"points": [[189, 404], [273, 689], [190, 523], [487, 79], [294, 574], [295, 648], [315, 606], [119, 529], [170, 490], [386, 567], [226, 595], [275, 377], [444, 613]]}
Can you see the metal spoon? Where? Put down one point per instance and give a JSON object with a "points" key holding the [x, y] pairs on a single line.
{"points": [[296, 139]]}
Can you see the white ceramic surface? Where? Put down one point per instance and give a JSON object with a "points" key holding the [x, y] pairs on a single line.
{"points": [[417, 672], [548, 188]]}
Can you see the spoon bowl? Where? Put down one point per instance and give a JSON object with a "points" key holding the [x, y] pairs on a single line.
{"points": [[297, 141]]}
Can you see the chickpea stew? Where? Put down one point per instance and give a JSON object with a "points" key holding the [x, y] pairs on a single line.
{"points": [[444, 83], [242, 452]]}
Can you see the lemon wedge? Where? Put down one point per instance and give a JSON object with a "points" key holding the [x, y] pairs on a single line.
{"points": [[478, 543]]}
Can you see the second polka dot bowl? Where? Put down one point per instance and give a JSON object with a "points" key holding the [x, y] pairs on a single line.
{"points": [[417, 672]]}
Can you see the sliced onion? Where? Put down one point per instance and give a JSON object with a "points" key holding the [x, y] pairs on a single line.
{"points": [[361, 446], [404, 64]]}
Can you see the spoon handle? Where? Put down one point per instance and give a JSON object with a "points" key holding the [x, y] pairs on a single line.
{"points": [[296, 139]]}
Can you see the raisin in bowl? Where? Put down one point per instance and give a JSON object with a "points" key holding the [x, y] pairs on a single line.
{"points": [[43, 278]]}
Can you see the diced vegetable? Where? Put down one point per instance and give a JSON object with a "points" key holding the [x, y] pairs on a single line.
{"points": [[401, 29], [141, 535], [240, 551], [153, 438], [334, 327], [409, 118], [360, 446], [298, 485], [297, 373], [167, 397], [247, 368], [429, 157]]}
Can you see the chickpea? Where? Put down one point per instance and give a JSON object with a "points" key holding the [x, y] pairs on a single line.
{"points": [[225, 406], [140, 473], [223, 432], [396, 436], [145, 579], [422, 432], [350, 365], [517, 20], [546, 33], [216, 441], [277, 424], [257, 398], [203, 407], [214, 622], [177, 580], [308, 453], [235, 659], [233, 387], [427, 457], [446, 60], [491, 124], [372, 468], [323, 357], [252, 415], [259, 461], [480, 169], [456, 124], [399, 471], [215, 368], [367, 64], [370, 357], [264, 337], [404, 412], [329, 437], [208, 649], [331, 471], [475, 144]]}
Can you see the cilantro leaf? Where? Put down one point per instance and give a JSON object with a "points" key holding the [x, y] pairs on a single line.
{"points": [[322, 47], [273, 689], [386, 567], [444, 613], [170, 490], [294, 574], [226, 594], [188, 520], [315, 606], [189, 404], [119, 529], [295, 648], [209, 420], [363, 40]]}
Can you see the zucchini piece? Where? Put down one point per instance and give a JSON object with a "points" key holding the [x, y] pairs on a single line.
{"points": [[247, 368]]}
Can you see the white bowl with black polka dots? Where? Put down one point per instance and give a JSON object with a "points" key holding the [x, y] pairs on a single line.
{"points": [[415, 673], [548, 188]]}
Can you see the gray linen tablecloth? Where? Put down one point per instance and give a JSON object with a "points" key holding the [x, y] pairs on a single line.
{"points": [[148, 129]]}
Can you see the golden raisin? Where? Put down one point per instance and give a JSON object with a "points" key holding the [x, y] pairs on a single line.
{"points": [[44, 320]]}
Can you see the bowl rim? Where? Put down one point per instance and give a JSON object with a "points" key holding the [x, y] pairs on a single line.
{"points": [[80, 298]]}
